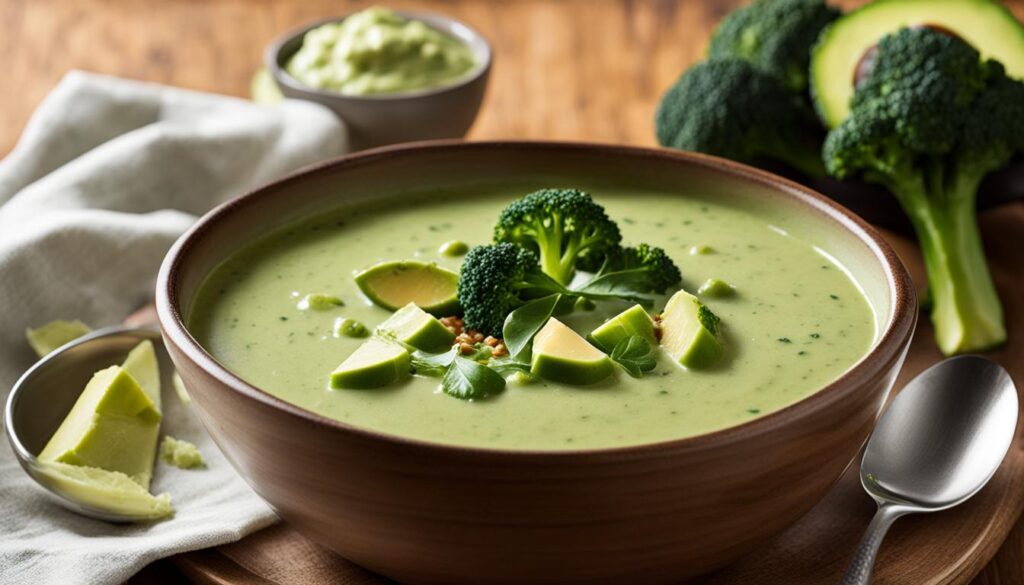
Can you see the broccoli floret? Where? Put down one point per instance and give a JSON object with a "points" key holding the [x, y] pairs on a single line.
{"points": [[654, 271], [775, 36], [929, 121], [726, 107], [566, 228], [496, 279]]}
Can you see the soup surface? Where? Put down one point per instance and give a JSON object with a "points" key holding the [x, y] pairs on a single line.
{"points": [[797, 321]]}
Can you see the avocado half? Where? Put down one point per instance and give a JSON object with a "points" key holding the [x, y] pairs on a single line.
{"points": [[986, 24]]}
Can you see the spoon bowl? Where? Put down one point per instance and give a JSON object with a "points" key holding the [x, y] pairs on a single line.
{"points": [[939, 442], [43, 396]]}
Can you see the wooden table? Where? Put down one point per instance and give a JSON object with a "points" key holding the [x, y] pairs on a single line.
{"points": [[569, 69]]}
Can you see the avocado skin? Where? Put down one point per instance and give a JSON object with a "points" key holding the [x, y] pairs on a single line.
{"points": [[1000, 37]]}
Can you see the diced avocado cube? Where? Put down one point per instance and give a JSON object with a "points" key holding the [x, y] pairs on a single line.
{"points": [[113, 426], [562, 355], [393, 285], [319, 302], [689, 332], [414, 326], [348, 327], [632, 321], [373, 364], [54, 334], [716, 289]]}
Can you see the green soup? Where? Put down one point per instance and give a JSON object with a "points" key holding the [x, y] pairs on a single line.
{"points": [[797, 320]]}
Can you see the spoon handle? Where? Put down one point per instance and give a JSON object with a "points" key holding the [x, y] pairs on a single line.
{"points": [[863, 562]]}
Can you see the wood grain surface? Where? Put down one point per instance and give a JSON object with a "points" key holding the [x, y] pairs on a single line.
{"points": [[569, 69]]}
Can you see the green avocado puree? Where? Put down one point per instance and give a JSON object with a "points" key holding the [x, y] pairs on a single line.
{"points": [[799, 321], [379, 52]]}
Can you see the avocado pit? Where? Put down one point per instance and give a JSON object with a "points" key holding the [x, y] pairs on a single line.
{"points": [[866, 63]]}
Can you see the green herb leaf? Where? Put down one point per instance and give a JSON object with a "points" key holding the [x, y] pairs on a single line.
{"points": [[623, 284], [635, 355], [507, 366], [434, 365], [469, 380], [523, 323]]}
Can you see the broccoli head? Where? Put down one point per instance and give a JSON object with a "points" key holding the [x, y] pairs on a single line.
{"points": [[775, 36], [652, 269], [728, 108], [929, 121], [493, 281], [565, 227], [497, 278]]}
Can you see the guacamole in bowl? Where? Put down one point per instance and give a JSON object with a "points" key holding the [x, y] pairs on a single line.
{"points": [[377, 51]]}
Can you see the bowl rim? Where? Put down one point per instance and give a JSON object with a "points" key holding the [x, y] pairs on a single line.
{"points": [[272, 54], [890, 344]]}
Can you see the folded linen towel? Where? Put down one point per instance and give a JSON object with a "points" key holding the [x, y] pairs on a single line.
{"points": [[107, 174]]}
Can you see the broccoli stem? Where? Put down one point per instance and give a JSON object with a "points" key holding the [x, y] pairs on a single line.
{"points": [[808, 163], [802, 155], [965, 308]]}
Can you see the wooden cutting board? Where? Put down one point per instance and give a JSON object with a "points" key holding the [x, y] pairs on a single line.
{"points": [[947, 548]]}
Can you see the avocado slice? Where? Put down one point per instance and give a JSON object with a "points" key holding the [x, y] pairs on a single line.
{"points": [[263, 88], [180, 390], [142, 364], [562, 355], [986, 24], [632, 321], [113, 426], [414, 326], [395, 284], [373, 364], [689, 332], [54, 334], [112, 491]]}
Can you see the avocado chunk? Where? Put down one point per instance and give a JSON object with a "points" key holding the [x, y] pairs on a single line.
{"points": [[632, 321], [264, 89], [319, 302], [393, 285], [689, 332], [54, 334], [348, 327], [562, 355], [142, 364], [181, 454], [986, 24], [414, 326], [113, 426], [716, 288], [111, 491], [373, 364], [180, 390]]}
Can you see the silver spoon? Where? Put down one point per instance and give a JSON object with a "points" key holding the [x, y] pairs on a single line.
{"points": [[938, 443], [44, 395]]}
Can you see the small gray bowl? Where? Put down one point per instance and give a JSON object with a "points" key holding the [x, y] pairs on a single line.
{"points": [[377, 120]]}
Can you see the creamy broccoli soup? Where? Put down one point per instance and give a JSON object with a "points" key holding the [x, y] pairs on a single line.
{"points": [[791, 321]]}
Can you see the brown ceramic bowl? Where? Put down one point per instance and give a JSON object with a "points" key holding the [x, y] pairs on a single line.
{"points": [[446, 111], [427, 513]]}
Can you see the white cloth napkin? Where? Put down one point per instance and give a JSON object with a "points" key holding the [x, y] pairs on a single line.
{"points": [[107, 174]]}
